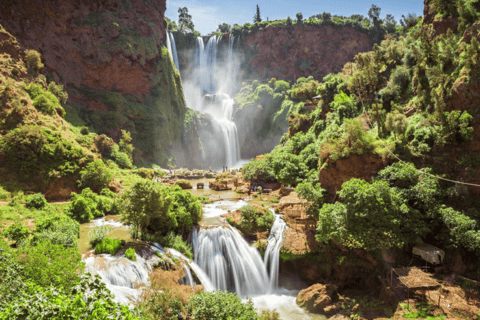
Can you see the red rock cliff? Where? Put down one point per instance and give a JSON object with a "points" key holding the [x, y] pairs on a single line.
{"points": [[85, 43], [294, 52]]}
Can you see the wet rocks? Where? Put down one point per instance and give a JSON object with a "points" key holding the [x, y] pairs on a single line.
{"points": [[318, 298]]}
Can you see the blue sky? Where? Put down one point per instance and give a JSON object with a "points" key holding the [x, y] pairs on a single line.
{"points": [[208, 14]]}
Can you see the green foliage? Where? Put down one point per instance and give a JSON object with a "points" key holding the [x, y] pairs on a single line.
{"points": [[220, 305], [57, 229], [44, 100], [176, 242], [372, 216], [17, 232], [36, 201], [130, 254], [258, 170], [148, 205], [96, 235], [125, 144], [255, 219], [88, 205], [108, 245], [185, 20], [96, 176], [33, 60], [24, 298], [269, 315], [48, 264], [58, 91]]}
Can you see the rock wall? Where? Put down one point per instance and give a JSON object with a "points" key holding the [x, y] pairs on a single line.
{"points": [[301, 51], [108, 55]]}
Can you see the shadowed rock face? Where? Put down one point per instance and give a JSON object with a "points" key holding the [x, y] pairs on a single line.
{"points": [[294, 52], [91, 43]]}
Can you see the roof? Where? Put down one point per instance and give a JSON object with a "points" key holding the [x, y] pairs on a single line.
{"points": [[429, 253]]}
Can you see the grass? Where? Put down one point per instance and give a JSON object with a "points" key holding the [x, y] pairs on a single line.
{"points": [[108, 245], [130, 254], [422, 311]]}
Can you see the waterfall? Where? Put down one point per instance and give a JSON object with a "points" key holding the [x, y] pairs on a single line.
{"points": [[230, 262], [173, 51], [211, 65], [272, 253]]}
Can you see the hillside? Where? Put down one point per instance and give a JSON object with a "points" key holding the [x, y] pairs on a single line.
{"points": [[110, 59], [389, 157]]}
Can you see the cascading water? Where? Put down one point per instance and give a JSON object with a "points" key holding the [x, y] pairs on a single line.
{"points": [[172, 49], [272, 253], [232, 264], [212, 79]]}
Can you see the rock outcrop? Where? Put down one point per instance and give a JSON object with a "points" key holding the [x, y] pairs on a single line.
{"points": [[316, 298], [109, 56], [301, 51]]}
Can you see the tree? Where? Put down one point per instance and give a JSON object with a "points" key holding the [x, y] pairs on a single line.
{"points": [[256, 17], [374, 14], [185, 20], [390, 23], [125, 144], [224, 28], [299, 18]]}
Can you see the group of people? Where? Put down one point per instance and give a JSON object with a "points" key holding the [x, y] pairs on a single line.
{"points": [[253, 187]]}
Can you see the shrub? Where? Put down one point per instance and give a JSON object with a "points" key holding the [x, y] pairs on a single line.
{"points": [[33, 60], [121, 159], [43, 100], [81, 208], [36, 201], [255, 219], [108, 245], [96, 176], [269, 315], [258, 170], [130, 254], [146, 173], [17, 232], [220, 305], [57, 230], [51, 264], [58, 91], [84, 131], [176, 242], [96, 235], [184, 184]]}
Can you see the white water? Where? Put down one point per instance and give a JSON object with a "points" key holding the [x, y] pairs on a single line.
{"points": [[272, 253], [207, 93], [173, 53]]}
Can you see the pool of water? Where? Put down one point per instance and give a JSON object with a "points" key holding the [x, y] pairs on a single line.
{"points": [[118, 231]]}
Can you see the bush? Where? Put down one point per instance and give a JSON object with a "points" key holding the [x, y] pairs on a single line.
{"points": [[258, 170], [176, 242], [130, 254], [17, 232], [96, 235], [81, 208], [36, 201], [96, 176], [108, 245], [184, 184], [84, 131], [153, 208], [58, 91], [51, 264], [255, 219], [33, 60], [146, 173], [57, 230], [220, 305]]}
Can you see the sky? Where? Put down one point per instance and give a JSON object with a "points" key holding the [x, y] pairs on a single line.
{"points": [[208, 14]]}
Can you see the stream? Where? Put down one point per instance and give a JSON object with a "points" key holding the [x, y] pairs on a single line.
{"points": [[223, 260]]}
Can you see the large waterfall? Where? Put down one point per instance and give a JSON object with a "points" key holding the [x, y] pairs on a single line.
{"points": [[172, 48], [207, 90]]}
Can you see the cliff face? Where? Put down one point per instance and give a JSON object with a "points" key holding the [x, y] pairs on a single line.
{"points": [[294, 52], [108, 55]]}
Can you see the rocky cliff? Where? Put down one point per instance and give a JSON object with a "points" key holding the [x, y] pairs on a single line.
{"points": [[108, 54], [301, 51]]}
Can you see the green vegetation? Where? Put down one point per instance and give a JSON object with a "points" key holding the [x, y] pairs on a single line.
{"points": [[153, 208], [108, 245], [130, 254], [96, 235], [220, 305], [254, 219], [176, 242], [36, 201], [88, 205], [57, 229]]}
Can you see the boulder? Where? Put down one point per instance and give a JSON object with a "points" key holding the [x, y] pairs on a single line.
{"points": [[317, 298]]}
